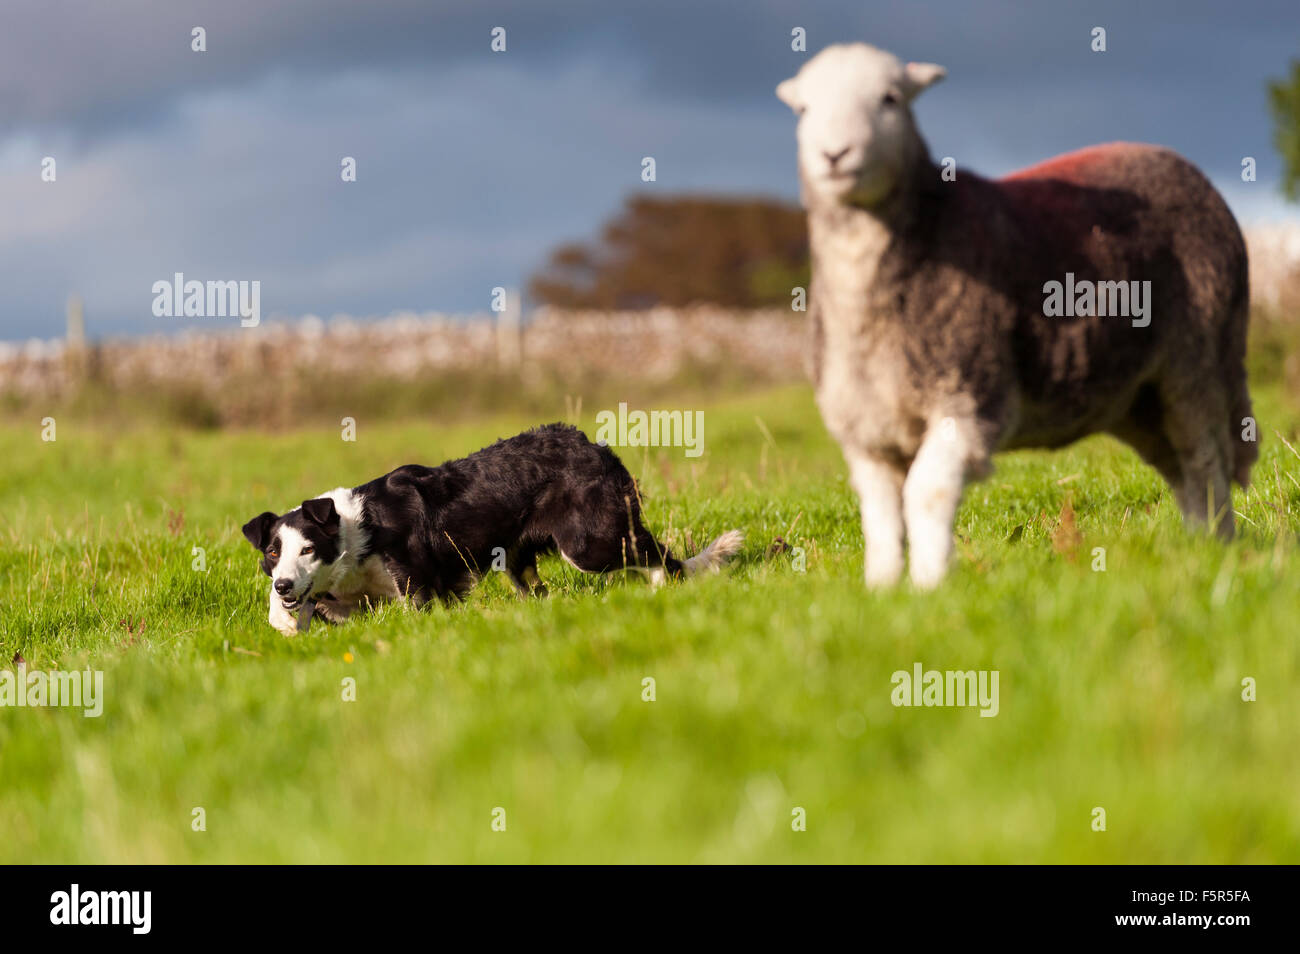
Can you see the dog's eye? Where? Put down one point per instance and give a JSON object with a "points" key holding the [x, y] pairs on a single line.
{"points": [[307, 550], [273, 552]]}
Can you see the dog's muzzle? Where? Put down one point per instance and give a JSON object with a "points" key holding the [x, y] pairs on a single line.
{"points": [[284, 590]]}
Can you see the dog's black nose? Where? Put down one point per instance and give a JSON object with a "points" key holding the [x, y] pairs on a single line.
{"points": [[283, 587]]}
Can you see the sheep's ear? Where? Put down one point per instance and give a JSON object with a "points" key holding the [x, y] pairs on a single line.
{"points": [[785, 92], [919, 76]]}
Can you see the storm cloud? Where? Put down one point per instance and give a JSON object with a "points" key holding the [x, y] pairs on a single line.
{"points": [[472, 164]]}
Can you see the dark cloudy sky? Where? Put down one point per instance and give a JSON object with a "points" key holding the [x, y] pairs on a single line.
{"points": [[472, 164]]}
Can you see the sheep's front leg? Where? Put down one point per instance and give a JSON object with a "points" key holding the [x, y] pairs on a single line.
{"points": [[879, 485], [930, 497]]}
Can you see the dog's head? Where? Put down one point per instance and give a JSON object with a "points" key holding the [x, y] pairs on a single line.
{"points": [[297, 548]]}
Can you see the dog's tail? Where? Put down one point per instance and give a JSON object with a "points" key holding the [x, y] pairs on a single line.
{"points": [[711, 558]]}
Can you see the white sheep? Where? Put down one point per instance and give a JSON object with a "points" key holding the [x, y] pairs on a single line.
{"points": [[952, 317]]}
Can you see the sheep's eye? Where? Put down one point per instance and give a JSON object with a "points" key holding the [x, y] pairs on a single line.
{"points": [[800, 110], [306, 550], [890, 99]]}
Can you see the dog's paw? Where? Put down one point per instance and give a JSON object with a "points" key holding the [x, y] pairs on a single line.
{"points": [[280, 618]]}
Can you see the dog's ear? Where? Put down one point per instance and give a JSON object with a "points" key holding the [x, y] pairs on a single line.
{"points": [[321, 512], [258, 530]]}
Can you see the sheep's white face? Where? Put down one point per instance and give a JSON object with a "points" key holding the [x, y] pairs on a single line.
{"points": [[855, 130]]}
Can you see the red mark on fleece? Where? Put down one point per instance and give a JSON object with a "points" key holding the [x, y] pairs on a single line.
{"points": [[1078, 186], [1074, 166]]}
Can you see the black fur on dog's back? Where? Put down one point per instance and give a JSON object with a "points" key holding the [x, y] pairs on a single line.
{"points": [[437, 527]]}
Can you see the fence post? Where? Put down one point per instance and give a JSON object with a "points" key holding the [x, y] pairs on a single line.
{"points": [[510, 331], [75, 336]]}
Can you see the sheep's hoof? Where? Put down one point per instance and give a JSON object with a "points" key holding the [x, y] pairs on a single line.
{"points": [[882, 578], [927, 578]]}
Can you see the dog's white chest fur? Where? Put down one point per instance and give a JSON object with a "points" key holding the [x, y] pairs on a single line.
{"points": [[369, 580]]}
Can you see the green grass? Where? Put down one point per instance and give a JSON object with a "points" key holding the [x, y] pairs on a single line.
{"points": [[1119, 689]]}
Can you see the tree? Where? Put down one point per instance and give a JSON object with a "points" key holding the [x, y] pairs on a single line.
{"points": [[1284, 103], [677, 250]]}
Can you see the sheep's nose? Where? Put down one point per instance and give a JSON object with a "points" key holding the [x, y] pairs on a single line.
{"points": [[283, 587], [834, 157]]}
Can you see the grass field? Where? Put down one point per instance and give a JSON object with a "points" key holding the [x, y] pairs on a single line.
{"points": [[1119, 689]]}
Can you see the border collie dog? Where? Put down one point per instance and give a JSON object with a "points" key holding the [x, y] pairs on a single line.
{"points": [[424, 532]]}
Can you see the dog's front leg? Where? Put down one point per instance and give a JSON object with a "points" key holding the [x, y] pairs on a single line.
{"points": [[336, 611], [280, 618]]}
